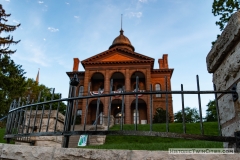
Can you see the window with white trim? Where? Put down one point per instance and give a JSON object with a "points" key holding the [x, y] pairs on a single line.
{"points": [[158, 88]]}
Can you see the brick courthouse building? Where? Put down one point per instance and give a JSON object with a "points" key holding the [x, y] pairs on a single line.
{"points": [[122, 64]]}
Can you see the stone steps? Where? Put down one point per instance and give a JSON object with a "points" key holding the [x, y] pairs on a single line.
{"points": [[73, 141]]}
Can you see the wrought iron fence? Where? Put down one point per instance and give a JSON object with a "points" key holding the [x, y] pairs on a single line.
{"points": [[33, 119]]}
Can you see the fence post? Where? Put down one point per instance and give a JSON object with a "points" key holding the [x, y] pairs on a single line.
{"points": [[167, 118], [68, 115], [9, 116], [136, 104]]}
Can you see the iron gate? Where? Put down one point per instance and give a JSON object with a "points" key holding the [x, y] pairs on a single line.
{"points": [[21, 126]]}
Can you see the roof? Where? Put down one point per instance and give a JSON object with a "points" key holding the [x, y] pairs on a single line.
{"points": [[118, 55], [122, 41]]}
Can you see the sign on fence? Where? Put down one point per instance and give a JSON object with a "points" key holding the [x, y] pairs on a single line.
{"points": [[82, 140]]}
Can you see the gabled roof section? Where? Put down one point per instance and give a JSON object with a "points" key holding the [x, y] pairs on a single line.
{"points": [[117, 55]]}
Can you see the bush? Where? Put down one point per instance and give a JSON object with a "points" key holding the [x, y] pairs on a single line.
{"points": [[160, 116]]}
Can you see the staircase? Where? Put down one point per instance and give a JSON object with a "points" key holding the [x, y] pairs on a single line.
{"points": [[92, 139]]}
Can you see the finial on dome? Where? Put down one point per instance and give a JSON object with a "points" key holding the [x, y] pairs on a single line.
{"points": [[122, 41], [121, 21], [121, 31]]}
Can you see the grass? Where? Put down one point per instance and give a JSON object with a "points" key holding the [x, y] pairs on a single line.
{"points": [[2, 133], [159, 143], [210, 128], [155, 143]]}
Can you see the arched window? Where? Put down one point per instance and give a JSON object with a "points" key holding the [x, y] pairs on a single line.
{"points": [[158, 88], [80, 93]]}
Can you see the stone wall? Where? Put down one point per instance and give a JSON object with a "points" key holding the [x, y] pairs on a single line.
{"points": [[19, 152], [54, 141], [224, 62]]}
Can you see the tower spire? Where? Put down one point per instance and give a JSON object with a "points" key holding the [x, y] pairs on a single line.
{"points": [[121, 31], [37, 78]]}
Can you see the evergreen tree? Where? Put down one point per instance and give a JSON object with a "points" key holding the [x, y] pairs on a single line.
{"points": [[5, 42], [12, 83]]}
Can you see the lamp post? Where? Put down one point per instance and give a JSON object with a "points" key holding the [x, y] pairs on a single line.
{"points": [[68, 116]]}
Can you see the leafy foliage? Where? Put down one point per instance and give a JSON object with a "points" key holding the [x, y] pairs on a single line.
{"points": [[191, 115], [224, 9], [211, 112], [12, 83], [160, 116], [5, 42], [38, 92]]}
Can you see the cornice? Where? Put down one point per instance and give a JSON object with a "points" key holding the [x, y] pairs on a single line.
{"points": [[75, 72], [157, 71], [102, 54], [119, 62]]}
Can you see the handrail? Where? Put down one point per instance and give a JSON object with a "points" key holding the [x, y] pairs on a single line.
{"points": [[125, 93]]}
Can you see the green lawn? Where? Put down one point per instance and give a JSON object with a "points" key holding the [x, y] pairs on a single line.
{"points": [[2, 133], [158, 143], [210, 128]]}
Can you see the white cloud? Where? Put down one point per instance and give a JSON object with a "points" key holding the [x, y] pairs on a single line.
{"points": [[7, 0], [40, 2], [44, 39], [143, 1], [135, 14], [76, 16], [15, 21], [51, 29], [67, 3]]}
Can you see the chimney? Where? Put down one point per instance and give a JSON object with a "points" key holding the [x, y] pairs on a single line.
{"points": [[76, 62], [163, 63]]}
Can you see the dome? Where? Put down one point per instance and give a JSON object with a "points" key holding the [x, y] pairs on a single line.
{"points": [[122, 41]]}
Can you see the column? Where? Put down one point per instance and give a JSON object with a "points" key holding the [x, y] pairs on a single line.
{"points": [[148, 82], [127, 98], [106, 91], [85, 93]]}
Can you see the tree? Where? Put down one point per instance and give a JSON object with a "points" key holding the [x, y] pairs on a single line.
{"points": [[191, 115], [5, 42], [33, 89], [12, 83], [211, 112], [32, 92], [160, 116], [224, 9]]}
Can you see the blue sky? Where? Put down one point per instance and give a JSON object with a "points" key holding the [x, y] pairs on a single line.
{"points": [[53, 32]]}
